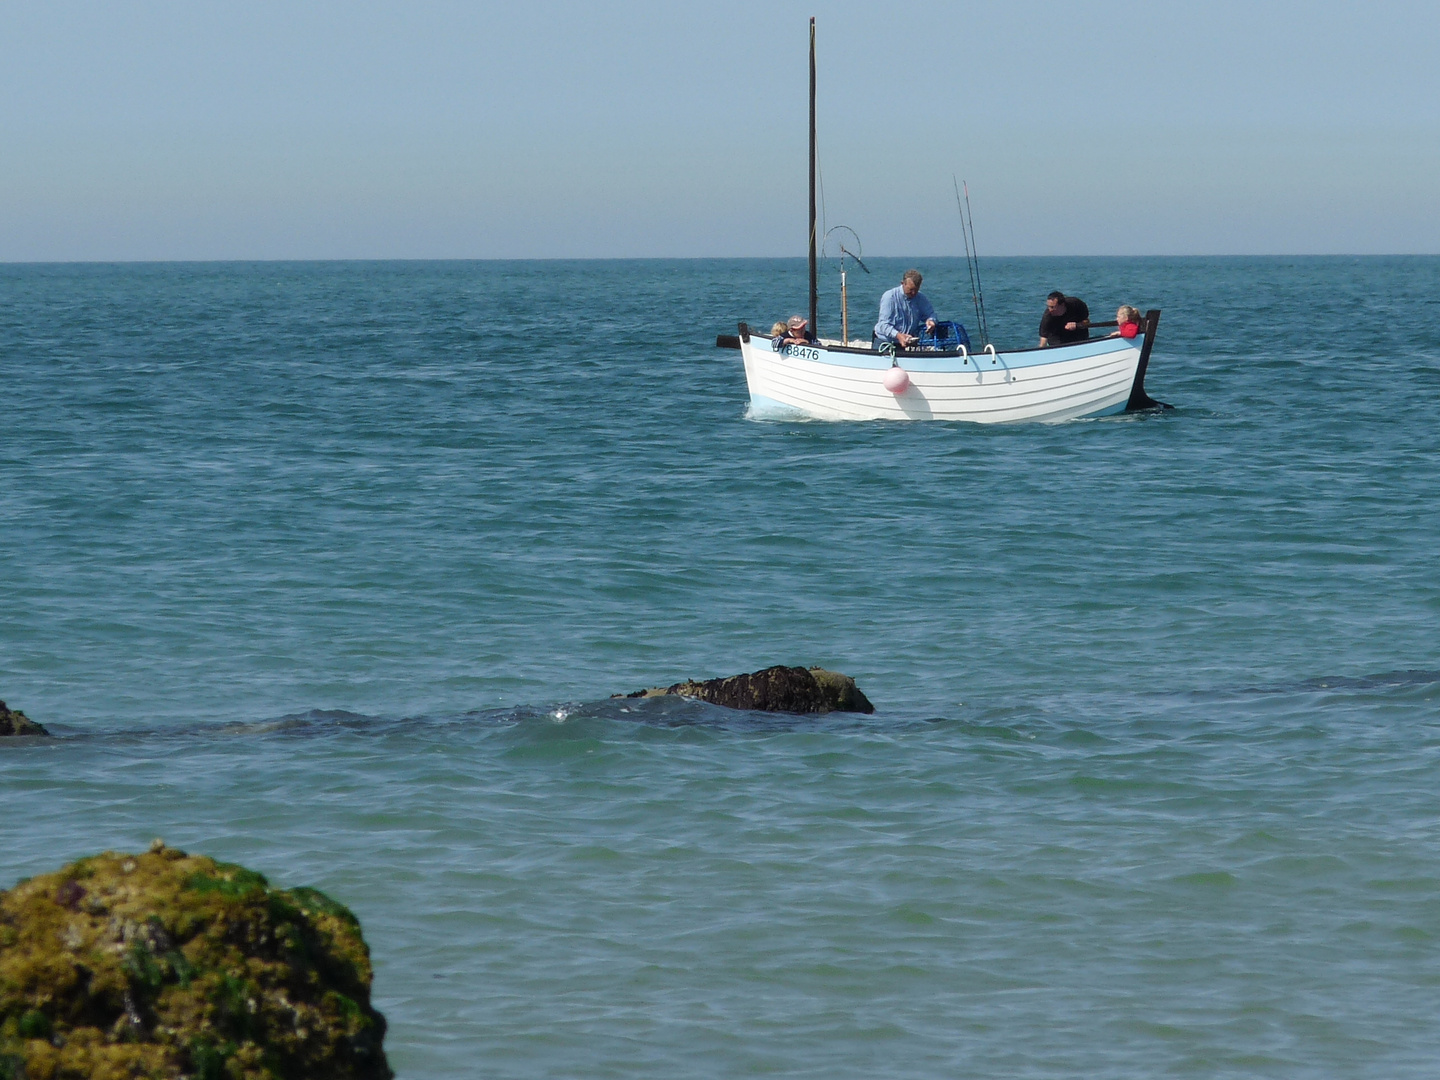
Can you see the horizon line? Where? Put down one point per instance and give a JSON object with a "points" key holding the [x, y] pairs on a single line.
{"points": [[684, 258]]}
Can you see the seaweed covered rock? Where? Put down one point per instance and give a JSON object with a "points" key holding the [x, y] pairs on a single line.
{"points": [[775, 689], [173, 965], [15, 722]]}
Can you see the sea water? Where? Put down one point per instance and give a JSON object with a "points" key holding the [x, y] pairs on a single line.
{"points": [[331, 570]]}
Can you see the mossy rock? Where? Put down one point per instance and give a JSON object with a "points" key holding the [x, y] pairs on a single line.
{"points": [[175, 965], [775, 689], [15, 722]]}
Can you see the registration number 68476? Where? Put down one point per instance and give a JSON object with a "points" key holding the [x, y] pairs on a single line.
{"points": [[800, 352]]}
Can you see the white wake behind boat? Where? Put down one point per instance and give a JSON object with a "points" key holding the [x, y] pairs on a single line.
{"points": [[832, 381]]}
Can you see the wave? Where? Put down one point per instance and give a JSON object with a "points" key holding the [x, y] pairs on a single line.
{"points": [[1012, 719]]}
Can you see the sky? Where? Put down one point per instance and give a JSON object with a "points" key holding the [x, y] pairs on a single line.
{"points": [[542, 129]]}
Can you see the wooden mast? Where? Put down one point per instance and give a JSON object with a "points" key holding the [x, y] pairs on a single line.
{"points": [[814, 294]]}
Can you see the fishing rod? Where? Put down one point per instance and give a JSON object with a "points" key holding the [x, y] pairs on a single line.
{"points": [[979, 288], [974, 290]]}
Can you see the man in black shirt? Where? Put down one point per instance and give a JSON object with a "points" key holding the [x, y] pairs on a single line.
{"points": [[1066, 319]]}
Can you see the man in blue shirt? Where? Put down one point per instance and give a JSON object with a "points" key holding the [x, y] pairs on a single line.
{"points": [[903, 312]]}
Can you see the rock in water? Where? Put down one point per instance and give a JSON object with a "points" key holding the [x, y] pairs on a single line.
{"points": [[776, 689], [15, 722], [175, 965]]}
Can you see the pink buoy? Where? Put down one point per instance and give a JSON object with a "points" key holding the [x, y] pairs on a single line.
{"points": [[896, 380]]}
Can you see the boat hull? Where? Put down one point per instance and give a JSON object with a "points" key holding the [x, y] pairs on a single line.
{"points": [[1090, 378]]}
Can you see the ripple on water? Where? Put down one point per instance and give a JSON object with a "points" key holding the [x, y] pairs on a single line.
{"points": [[309, 572]]}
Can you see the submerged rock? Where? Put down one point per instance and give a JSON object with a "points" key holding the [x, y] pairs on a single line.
{"points": [[175, 965], [15, 722], [775, 689]]}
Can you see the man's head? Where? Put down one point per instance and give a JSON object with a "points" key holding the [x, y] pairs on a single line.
{"points": [[910, 283], [797, 323], [1055, 303]]}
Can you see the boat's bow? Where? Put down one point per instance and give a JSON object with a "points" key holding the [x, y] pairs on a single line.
{"points": [[1139, 399]]}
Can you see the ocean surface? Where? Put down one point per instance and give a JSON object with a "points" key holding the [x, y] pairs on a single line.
{"points": [[331, 569]]}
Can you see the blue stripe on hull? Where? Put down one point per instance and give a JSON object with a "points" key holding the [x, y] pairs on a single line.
{"points": [[767, 408], [1114, 410], [920, 362]]}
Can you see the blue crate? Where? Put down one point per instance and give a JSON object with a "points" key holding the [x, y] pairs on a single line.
{"points": [[946, 336]]}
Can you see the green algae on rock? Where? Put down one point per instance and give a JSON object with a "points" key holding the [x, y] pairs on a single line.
{"points": [[15, 722], [174, 965]]}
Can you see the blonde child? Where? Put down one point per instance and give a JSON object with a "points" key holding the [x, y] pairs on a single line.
{"points": [[1129, 320]]}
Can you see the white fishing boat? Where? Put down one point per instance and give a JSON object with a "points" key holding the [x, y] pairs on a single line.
{"points": [[836, 379], [832, 381]]}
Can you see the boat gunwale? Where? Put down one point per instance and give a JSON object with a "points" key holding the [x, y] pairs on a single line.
{"points": [[921, 361], [900, 354]]}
